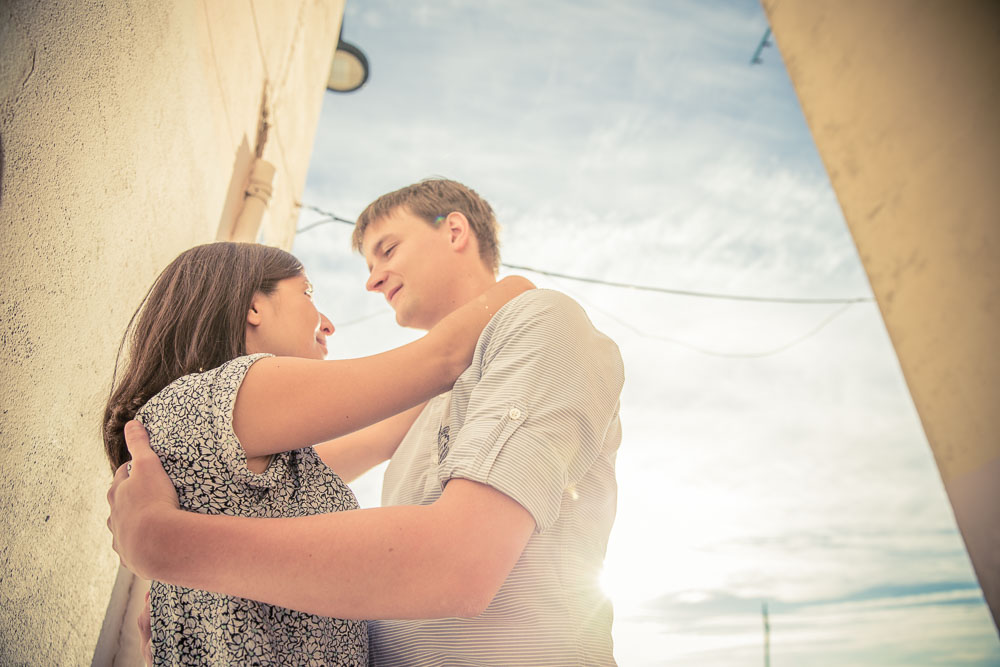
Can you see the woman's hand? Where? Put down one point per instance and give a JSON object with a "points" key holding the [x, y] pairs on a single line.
{"points": [[506, 289], [519, 283], [146, 633], [140, 492]]}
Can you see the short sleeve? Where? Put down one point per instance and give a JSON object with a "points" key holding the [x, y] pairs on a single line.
{"points": [[224, 388], [543, 391], [190, 425]]}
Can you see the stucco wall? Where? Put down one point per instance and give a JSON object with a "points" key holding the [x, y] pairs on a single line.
{"points": [[127, 132], [902, 98]]}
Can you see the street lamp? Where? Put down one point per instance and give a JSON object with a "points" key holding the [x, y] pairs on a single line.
{"points": [[349, 69]]}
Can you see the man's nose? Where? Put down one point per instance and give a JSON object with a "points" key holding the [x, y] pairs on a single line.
{"points": [[375, 280]]}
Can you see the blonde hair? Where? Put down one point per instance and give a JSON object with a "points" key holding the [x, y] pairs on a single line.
{"points": [[433, 199]]}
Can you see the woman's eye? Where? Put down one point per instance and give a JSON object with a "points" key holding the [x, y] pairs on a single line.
{"points": [[309, 291]]}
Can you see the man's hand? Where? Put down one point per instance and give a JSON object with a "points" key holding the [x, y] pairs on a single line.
{"points": [[140, 492]]}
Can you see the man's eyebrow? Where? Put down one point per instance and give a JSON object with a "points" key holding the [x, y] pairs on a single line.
{"points": [[388, 238], [377, 248]]}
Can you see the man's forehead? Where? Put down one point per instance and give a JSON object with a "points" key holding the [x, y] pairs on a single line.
{"points": [[395, 222], [374, 234]]}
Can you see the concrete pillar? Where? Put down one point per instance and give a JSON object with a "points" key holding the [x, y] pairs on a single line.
{"points": [[902, 98]]}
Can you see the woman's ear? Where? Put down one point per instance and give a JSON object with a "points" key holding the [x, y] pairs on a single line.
{"points": [[253, 315], [459, 230]]}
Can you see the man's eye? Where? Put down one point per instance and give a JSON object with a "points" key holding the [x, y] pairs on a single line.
{"points": [[389, 250]]}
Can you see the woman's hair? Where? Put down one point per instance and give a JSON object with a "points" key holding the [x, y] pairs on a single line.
{"points": [[193, 318]]}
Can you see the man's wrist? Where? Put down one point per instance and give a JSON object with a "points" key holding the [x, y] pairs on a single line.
{"points": [[151, 542]]}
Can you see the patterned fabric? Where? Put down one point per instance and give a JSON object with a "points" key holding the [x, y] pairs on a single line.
{"points": [[190, 425], [536, 417]]}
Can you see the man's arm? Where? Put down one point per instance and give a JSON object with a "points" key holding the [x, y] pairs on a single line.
{"points": [[537, 415], [351, 456], [440, 560]]}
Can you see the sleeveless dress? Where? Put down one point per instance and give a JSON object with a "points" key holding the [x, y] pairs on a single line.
{"points": [[190, 425]]}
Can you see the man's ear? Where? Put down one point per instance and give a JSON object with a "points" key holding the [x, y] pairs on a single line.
{"points": [[459, 230]]}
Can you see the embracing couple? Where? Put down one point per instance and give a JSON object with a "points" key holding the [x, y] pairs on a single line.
{"points": [[501, 423]]}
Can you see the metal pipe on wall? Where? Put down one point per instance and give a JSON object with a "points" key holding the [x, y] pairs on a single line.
{"points": [[258, 196]]}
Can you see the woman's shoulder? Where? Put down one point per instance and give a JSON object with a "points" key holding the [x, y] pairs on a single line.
{"points": [[232, 372], [202, 386]]}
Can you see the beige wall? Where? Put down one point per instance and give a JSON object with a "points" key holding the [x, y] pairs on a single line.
{"points": [[127, 131], [902, 97]]}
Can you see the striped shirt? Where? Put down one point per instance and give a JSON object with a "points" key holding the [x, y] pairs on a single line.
{"points": [[536, 417]]}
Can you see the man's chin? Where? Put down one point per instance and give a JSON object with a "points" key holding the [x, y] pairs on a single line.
{"points": [[407, 321]]}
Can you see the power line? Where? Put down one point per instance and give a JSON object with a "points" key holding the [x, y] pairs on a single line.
{"points": [[330, 217], [716, 353], [363, 318], [703, 295]]}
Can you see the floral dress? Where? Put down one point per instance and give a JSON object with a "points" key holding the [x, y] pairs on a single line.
{"points": [[190, 425]]}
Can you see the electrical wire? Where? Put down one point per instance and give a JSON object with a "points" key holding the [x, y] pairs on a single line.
{"points": [[358, 320], [726, 355], [330, 217], [845, 304], [702, 295]]}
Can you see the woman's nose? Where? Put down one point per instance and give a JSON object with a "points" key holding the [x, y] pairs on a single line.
{"points": [[325, 325]]}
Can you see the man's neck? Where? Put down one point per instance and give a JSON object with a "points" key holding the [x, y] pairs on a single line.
{"points": [[473, 285], [468, 286]]}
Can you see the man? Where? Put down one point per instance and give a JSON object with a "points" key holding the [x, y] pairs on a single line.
{"points": [[497, 503]]}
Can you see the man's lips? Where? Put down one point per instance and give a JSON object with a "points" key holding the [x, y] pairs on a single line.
{"points": [[392, 293]]}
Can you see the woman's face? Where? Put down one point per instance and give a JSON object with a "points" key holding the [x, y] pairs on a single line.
{"points": [[286, 323]]}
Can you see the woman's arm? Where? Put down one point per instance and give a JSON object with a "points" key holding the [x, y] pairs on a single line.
{"points": [[352, 455], [287, 403]]}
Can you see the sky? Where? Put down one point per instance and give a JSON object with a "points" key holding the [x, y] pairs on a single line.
{"points": [[771, 452]]}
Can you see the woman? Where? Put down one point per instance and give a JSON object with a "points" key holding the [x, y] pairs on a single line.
{"points": [[225, 371]]}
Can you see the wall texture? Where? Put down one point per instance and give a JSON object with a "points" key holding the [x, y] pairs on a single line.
{"points": [[902, 98], [127, 130]]}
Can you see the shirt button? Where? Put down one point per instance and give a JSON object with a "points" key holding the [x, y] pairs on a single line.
{"points": [[514, 414]]}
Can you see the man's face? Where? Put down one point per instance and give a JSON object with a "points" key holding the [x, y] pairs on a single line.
{"points": [[409, 263]]}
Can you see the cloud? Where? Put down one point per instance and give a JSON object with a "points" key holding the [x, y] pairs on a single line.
{"points": [[633, 142], [718, 629]]}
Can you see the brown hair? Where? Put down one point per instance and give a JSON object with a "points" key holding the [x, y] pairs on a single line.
{"points": [[431, 199], [193, 318]]}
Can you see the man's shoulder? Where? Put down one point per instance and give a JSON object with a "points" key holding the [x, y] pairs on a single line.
{"points": [[539, 303], [542, 318]]}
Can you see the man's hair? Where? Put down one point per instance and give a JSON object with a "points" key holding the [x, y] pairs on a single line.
{"points": [[433, 199], [194, 318]]}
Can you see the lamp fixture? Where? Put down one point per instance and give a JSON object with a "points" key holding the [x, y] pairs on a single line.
{"points": [[349, 69]]}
